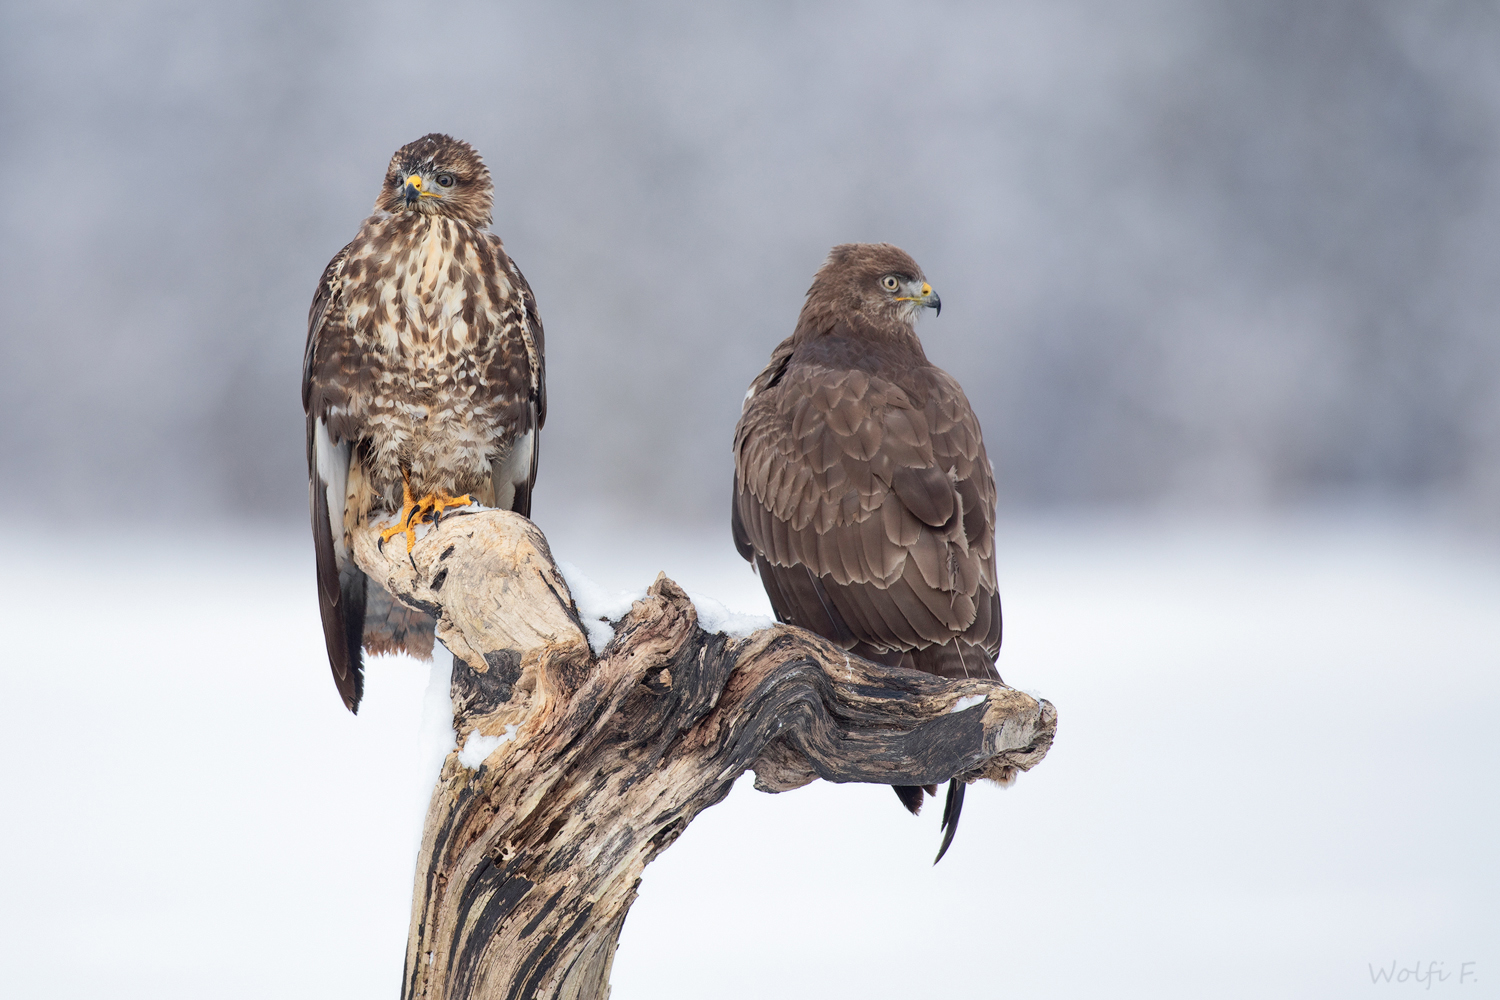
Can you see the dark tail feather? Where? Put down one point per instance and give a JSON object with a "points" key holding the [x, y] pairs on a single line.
{"points": [[951, 810], [522, 502], [352, 607], [910, 796], [392, 627]]}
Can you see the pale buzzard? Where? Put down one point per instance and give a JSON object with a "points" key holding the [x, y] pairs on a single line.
{"points": [[422, 382]]}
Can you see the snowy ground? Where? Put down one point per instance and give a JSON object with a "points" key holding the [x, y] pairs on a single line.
{"points": [[1275, 772]]}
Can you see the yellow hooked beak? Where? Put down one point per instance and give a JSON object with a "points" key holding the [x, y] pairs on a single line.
{"points": [[414, 190], [928, 298]]}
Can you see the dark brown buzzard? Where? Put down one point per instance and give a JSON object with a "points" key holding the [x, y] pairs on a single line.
{"points": [[862, 493], [423, 386]]}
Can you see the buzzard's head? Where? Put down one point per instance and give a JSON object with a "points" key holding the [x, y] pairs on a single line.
{"points": [[438, 175], [876, 282]]}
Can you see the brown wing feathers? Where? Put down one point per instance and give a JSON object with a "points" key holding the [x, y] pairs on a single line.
{"points": [[862, 490], [824, 486], [341, 587]]}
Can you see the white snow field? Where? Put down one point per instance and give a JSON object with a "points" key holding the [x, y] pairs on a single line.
{"points": [[1275, 776]]}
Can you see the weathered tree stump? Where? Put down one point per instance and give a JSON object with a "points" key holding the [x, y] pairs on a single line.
{"points": [[529, 864]]}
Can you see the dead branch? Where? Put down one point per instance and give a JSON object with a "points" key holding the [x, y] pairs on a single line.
{"points": [[529, 864]]}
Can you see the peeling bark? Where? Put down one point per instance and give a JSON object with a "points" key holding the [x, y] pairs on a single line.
{"points": [[529, 865]]}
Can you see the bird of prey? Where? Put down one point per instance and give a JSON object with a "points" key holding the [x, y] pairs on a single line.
{"points": [[862, 493], [423, 386]]}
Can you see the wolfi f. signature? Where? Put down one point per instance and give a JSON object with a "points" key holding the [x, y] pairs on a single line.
{"points": [[1426, 975]]}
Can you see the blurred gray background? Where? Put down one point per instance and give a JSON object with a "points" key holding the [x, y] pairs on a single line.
{"points": [[1226, 270], [1193, 254]]}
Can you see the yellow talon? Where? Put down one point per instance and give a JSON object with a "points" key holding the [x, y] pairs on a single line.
{"points": [[408, 508], [414, 512]]}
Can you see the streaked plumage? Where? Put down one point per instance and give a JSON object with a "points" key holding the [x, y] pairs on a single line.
{"points": [[862, 491], [424, 359]]}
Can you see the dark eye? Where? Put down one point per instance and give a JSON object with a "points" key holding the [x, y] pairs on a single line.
{"points": [[890, 283], [446, 180]]}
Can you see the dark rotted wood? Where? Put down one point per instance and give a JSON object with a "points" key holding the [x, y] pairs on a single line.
{"points": [[529, 864]]}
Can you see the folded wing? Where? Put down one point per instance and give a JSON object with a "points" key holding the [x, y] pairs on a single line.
{"points": [[868, 508]]}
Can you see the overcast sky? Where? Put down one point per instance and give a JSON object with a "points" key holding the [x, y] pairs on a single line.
{"points": [[1191, 254]]}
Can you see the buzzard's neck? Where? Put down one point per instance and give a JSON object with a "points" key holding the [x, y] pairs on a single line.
{"points": [[386, 228], [855, 342], [844, 348]]}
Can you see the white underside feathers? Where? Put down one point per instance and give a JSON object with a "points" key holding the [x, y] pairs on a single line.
{"points": [[332, 461]]}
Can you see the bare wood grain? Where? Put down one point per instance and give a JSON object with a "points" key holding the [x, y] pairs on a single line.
{"points": [[530, 863]]}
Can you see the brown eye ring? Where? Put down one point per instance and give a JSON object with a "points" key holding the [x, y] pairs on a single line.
{"points": [[446, 180]]}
